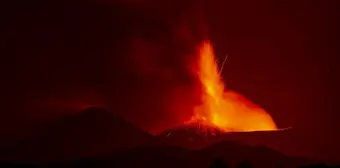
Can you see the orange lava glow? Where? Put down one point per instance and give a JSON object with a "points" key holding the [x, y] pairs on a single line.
{"points": [[225, 109]]}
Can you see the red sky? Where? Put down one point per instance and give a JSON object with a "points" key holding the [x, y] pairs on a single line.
{"points": [[65, 56]]}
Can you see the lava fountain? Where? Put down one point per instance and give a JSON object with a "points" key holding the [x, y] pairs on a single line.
{"points": [[221, 108]]}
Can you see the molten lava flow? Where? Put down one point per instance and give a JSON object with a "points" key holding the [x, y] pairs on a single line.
{"points": [[225, 109]]}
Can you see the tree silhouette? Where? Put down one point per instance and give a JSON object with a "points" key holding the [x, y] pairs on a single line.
{"points": [[244, 164], [218, 163]]}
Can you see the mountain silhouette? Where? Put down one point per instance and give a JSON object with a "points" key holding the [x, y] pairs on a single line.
{"points": [[234, 147], [259, 156], [89, 133], [232, 153], [97, 138], [146, 156], [196, 136]]}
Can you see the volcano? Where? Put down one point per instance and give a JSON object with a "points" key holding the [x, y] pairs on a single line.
{"points": [[223, 108], [220, 111], [192, 136], [197, 136], [91, 132], [173, 155], [262, 148]]}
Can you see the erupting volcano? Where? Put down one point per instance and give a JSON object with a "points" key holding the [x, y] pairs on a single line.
{"points": [[221, 108]]}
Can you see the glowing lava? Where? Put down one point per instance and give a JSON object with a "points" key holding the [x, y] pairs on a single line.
{"points": [[222, 108]]}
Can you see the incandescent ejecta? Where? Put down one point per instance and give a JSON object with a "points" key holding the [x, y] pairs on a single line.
{"points": [[222, 108]]}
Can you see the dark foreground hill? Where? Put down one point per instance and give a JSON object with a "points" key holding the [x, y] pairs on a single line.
{"points": [[231, 153], [235, 153], [173, 152], [147, 156], [96, 138], [194, 137], [89, 133], [257, 147]]}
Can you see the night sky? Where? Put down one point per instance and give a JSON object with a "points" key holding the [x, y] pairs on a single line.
{"points": [[134, 59]]}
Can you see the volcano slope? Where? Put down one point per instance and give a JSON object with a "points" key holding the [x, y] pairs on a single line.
{"points": [[196, 136], [174, 155], [95, 138], [89, 133], [290, 141], [257, 147]]}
